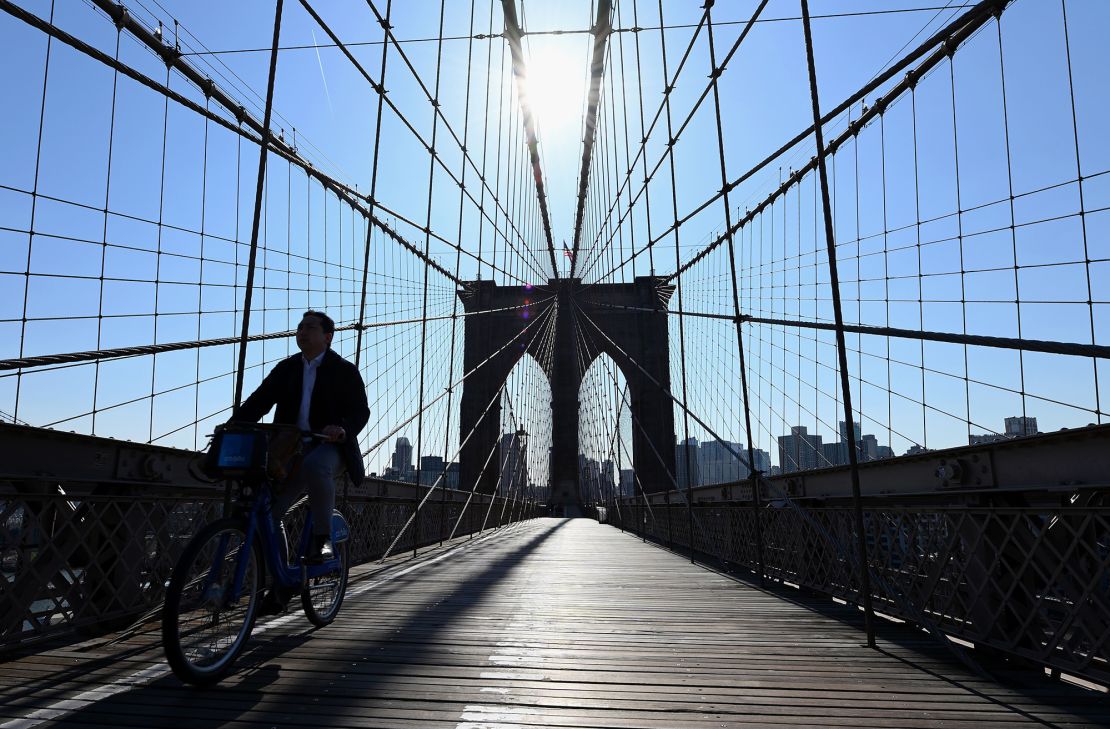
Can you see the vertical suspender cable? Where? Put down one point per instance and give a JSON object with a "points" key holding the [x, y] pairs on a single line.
{"points": [[678, 283], [373, 185], [841, 348], [104, 236], [754, 475], [31, 227], [454, 297], [427, 251], [1079, 180], [259, 188], [158, 248]]}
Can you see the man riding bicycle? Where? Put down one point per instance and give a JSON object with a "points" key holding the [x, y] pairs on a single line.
{"points": [[319, 392]]}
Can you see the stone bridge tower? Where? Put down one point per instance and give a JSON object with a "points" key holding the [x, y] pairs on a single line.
{"points": [[628, 322]]}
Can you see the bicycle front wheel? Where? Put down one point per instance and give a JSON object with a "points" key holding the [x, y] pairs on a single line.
{"points": [[322, 596], [205, 621]]}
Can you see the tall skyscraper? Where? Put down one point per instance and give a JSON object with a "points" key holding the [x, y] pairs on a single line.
{"points": [[402, 460], [843, 431], [608, 478], [431, 471], [628, 482], [799, 451], [687, 474], [719, 462], [514, 464], [762, 461]]}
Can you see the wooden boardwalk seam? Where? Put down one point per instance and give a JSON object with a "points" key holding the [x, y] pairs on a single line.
{"points": [[550, 623]]}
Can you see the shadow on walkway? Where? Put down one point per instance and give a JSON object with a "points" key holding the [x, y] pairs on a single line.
{"points": [[309, 690]]}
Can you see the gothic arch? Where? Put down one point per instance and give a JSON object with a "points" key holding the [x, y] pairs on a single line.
{"points": [[628, 322]]}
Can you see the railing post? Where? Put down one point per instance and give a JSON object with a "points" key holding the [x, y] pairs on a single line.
{"points": [[841, 347], [416, 525]]}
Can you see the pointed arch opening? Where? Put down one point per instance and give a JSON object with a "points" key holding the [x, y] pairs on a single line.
{"points": [[524, 440], [606, 467]]}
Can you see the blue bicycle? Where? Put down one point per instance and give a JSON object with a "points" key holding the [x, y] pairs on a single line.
{"points": [[214, 592]]}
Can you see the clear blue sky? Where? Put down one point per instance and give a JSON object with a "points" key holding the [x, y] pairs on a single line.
{"points": [[313, 242]]}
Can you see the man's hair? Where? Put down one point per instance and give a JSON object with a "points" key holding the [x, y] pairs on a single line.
{"points": [[326, 322]]}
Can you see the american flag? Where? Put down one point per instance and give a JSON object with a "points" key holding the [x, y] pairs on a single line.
{"points": [[567, 252]]}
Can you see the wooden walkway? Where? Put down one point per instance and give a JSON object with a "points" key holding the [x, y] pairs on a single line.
{"points": [[553, 623]]}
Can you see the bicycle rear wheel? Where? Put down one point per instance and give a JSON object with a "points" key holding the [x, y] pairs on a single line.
{"points": [[204, 626], [322, 596]]}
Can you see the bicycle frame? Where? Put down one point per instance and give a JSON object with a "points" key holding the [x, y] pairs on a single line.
{"points": [[260, 524]]}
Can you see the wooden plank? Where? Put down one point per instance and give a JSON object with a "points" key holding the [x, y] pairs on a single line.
{"points": [[554, 623]]}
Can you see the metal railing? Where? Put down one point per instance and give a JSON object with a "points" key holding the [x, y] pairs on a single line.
{"points": [[1014, 571], [92, 554]]}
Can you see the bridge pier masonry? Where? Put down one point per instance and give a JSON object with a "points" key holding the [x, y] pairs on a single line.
{"points": [[565, 326]]}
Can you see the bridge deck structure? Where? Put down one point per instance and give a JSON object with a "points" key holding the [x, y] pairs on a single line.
{"points": [[549, 623]]}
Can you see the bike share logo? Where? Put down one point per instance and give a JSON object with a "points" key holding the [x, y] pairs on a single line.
{"points": [[236, 450]]}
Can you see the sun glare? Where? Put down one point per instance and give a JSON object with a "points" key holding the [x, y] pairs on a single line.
{"points": [[556, 89]]}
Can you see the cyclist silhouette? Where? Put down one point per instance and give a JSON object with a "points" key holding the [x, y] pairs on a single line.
{"points": [[319, 392]]}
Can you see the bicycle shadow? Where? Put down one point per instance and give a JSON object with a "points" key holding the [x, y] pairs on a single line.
{"points": [[349, 663]]}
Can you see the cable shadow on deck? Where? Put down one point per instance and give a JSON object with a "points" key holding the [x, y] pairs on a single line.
{"points": [[270, 685], [927, 651]]}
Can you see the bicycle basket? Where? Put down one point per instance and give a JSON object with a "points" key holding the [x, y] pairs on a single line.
{"points": [[237, 452]]}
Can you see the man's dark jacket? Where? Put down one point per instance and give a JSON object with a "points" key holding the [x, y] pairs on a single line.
{"points": [[338, 398]]}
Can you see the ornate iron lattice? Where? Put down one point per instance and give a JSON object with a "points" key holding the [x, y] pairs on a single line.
{"points": [[93, 559], [1031, 581]]}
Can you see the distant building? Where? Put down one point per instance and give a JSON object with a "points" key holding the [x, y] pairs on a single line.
{"points": [[687, 473], [589, 475], [868, 448], [401, 466], [843, 431], [833, 454], [608, 477], [986, 438], [514, 464], [719, 462], [916, 450], [452, 475], [628, 482], [1015, 427], [431, 471], [799, 451], [1018, 426], [762, 461]]}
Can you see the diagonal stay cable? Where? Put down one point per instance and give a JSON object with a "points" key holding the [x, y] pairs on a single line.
{"points": [[848, 554], [119, 352], [962, 27], [942, 44], [543, 315], [548, 345], [441, 479], [670, 85], [513, 34], [1077, 349], [244, 122], [717, 72], [447, 125], [381, 91], [602, 26]]}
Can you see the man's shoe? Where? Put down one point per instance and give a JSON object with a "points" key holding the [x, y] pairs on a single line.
{"points": [[319, 550], [276, 600], [271, 604]]}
